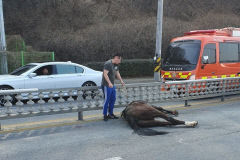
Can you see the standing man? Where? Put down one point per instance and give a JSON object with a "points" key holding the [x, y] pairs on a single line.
{"points": [[110, 71]]}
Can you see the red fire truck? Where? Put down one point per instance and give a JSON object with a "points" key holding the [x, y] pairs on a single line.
{"points": [[203, 54]]}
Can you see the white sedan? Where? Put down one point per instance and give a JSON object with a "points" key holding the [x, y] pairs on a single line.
{"points": [[51, 75]]}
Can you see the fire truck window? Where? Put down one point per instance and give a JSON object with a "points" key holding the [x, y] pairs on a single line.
{"points": [[210, 51], [183, 53], [229, 52]]}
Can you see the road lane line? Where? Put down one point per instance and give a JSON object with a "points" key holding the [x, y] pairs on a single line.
{"points": [[46, 126], [50, 121]]}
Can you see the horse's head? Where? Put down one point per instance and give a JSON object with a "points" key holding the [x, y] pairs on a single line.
{"points": [[133, 103], [123, 115]]}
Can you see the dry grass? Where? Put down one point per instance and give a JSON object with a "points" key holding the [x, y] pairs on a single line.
{"points": [[93, 30]]}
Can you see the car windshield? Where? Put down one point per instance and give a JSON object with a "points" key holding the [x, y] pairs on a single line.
{"points": [[183, 52], [22, 69]]}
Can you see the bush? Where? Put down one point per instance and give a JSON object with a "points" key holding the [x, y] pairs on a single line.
{"points": [[129, 67]]}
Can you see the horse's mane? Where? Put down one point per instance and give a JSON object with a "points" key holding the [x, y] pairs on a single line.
{"points": [[139, 101]]}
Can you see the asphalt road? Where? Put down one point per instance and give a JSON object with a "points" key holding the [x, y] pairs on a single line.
{"points": [[216, 137]]}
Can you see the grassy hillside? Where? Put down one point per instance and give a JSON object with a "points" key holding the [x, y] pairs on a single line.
{"points": [[92, 30]]}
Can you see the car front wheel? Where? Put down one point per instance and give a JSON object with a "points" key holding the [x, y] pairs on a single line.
{"points": [[2, 100], [89, 84]]}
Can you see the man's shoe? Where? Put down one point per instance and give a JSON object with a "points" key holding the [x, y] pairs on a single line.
{"points": [[105, 118], [112, 116]]}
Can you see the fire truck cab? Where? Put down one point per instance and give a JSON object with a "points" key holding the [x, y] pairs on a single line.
{"points": [[203, 54]]}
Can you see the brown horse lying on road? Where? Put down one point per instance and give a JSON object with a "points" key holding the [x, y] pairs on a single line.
{"points": [[139, 114]]}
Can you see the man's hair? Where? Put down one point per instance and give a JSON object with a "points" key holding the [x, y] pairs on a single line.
{"points": [[117, 55]]}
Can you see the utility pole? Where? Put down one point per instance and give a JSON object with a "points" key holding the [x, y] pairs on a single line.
{"points": [[157, 58], [3, 55]]}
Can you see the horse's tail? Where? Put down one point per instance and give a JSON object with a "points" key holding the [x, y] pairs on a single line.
{"points": [[142, 131]]}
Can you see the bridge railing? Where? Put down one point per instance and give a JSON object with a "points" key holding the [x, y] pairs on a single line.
{"points": [[35, 102]]}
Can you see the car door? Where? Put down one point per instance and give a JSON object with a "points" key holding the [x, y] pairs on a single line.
{"points": [[68, 76], [210, 68], [44, 79]]}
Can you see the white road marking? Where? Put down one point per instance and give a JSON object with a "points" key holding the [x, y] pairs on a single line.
{"points": [[114, 158], [180, 140]]}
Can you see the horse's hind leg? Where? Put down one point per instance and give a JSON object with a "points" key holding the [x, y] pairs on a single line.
{"points": [[166, 111]]}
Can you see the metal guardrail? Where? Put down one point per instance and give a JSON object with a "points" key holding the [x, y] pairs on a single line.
{"points": [[34, 102]]}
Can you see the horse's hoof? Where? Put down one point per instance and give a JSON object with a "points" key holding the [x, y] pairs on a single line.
{"points": [[196, 123], [191, 123], [175, 113]]}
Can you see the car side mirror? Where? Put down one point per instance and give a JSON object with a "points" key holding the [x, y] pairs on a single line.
{"points": [[205, 59], [31, 75]]}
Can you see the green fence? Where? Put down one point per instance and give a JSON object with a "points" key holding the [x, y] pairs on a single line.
{"points": [[18, 59]]}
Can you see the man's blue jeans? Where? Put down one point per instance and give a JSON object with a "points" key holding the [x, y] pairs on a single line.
{"points": [[110, 98]]}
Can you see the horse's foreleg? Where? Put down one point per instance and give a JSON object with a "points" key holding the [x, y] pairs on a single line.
{"points": [[175, 121], [166, 111], [168, 118], [152, 123]]}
